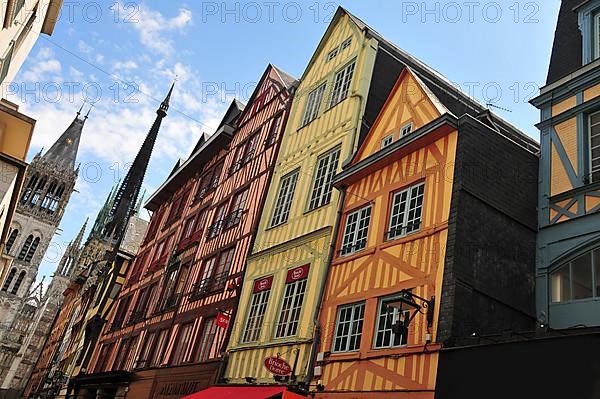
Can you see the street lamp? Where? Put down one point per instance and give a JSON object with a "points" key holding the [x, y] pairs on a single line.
{"points": [[408, 305]]}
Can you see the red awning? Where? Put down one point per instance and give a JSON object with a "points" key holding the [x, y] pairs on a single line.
{"points": [[246, 392]]}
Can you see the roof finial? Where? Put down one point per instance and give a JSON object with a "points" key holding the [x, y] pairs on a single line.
{"points": [[80, 109], [89, 110], [164, 106]]}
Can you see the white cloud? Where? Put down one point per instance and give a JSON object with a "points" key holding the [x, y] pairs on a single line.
{"points": [[125, 65], [153, 27], [85, 48], [76, 74], [45, 68]]}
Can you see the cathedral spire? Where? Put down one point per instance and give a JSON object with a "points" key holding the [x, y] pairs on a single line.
{"points": [[64, 151], [79, 238], [127, 195], [103, 213]]}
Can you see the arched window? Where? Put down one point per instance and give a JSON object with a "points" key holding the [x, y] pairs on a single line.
{"points": [[9, 279], [49, 195], [11, 240], [18, 283], [32, 249], [29, 188], [25, 247], [56, 198], [38, 191], [577, 279]]}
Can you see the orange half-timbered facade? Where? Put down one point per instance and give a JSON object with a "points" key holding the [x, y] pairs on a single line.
{"points": [[171, 322], [389, 283]]}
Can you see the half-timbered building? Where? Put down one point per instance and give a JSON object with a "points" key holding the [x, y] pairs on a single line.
{"points": [[171, 322], [341, 94], [432, 245], [568, 257]]}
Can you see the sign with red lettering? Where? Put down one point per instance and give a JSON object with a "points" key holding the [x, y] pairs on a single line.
{"points": [[278, 366], [263, 284], [223, 320], [297, 273]]}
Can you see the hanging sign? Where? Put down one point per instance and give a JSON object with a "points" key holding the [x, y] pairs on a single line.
{"points": [[223, 320], [278, 366]]}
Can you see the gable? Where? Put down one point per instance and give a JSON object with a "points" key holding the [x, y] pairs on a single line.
{"points": [[269, 85], [341, 29], [410, 103]]}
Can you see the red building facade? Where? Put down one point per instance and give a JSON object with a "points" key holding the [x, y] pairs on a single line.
{"points": [[171, 321]]}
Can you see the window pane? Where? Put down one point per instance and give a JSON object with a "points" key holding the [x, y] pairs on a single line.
{"points": [[561, 285], [349, 328], [326, 167], [385, 337], [283, 205], [256, 316], [581, 273], [290, 310]]}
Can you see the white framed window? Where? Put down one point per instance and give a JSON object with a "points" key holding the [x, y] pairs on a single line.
{"points": [[313, 104], [333, 53], [594, 145], [341, 84], [258, 307], [387, 316], [407, 211], [406, 130], [596, 33], [293, 297], [348, 328], [287, 187], [356, 231], [387, 140], [346, 43], [326, 167]]}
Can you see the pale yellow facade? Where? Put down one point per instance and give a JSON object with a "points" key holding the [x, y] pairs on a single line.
{"points": [[305, 238]]}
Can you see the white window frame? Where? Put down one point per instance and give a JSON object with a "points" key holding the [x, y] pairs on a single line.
{"points": [[256, 315], [596, 35], [591, 159], [313, 104], [406, 130], [351, 329], [285, 197], [342, 83], [325, 170], [356, 231], [406, 212], [346, 43], [386, 329], [291, 309], [387, 141], [333, 53]]}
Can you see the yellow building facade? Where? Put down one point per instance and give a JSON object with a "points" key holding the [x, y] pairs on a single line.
{"points": [[292, 245]]}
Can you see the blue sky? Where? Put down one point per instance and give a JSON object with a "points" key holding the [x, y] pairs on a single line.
{"points": [[496, 51]]}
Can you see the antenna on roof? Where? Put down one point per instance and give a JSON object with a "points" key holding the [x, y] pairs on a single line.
{"points": [[497, 107]]}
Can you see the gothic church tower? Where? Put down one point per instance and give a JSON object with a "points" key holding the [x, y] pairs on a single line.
{"points": [[25, 314]]}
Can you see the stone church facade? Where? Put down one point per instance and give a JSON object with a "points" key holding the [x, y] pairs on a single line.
{"points": [[26, 313]]}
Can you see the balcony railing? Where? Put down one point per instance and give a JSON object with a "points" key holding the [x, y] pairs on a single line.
{"points": [[233, 219], [215, 229], [209, 286], [137, 316], [171, 303]]}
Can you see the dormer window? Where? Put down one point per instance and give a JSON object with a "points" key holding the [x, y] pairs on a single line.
{"points": [[589, 24]]}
